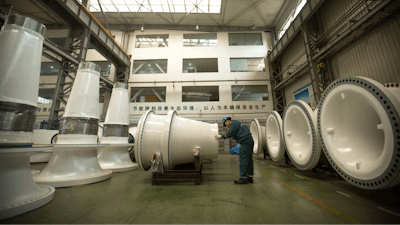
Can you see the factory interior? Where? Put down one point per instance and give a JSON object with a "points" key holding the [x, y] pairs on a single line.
{"points": [[199, 111]]}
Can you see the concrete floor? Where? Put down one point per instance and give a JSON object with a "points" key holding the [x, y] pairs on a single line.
{"points": [[280, 194]]}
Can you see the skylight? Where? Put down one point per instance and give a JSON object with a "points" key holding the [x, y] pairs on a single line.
{"points": [[291, 17], [161, 6]]}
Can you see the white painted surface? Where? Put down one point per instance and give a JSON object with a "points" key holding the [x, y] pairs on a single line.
{"points": [[299, 136], [118, 109], [20, 52], [357, 131], [175, 138], [274, 136], [84, 97]]}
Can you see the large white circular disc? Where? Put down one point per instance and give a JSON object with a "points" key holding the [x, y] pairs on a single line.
{"points": [[299, 134], [274, 138], [359, 128], [255, 130]]}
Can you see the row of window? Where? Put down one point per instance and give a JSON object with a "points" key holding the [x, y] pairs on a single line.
{"points": [[198, 40], [199, 65], [160, 66], [201, 93], [189, 94]]}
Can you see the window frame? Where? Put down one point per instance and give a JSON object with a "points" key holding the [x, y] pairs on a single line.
{"points": [[182, 94], [232, 93], [183, 65]]}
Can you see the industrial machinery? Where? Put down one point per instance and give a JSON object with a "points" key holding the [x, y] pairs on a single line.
{"points": [[21, 42], [115, 156], [258, 133], [74, 160], [359, 125], [43, 137], [300, 134], [274, 136], [174, 138]]}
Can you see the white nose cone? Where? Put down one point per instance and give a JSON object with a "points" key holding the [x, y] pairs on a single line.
{"points": [[175, 138], [301, 135], [274, 136], [359, 125], [258, 133]]}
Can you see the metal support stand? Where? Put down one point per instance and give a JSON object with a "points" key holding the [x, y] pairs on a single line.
{"points": [[183, 173]]}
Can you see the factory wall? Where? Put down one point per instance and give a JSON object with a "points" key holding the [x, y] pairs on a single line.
{"points": [[175, 53], [172, 80], [377, 55]]}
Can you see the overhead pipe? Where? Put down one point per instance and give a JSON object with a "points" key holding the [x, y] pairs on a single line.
{"points": [[300, 135], [359, 125], [115, 156], [274, 136], [258, 133], [175, 138], [74, 160], [21, 41]]}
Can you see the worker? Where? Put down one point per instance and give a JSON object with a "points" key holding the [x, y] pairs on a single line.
{"points": [[243, 136]]}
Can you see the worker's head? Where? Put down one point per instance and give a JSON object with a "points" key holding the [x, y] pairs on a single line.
{"points": [[226, 121]]}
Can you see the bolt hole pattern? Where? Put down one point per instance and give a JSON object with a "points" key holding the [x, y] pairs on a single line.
{"points": [[392, 172]]}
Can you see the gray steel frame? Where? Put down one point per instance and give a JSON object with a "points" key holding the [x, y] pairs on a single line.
{"points": [[75, 15]]}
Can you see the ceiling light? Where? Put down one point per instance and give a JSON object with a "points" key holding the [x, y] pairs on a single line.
{"points": [[190, 64], [148, 65], [51, 67], [197, 27]]}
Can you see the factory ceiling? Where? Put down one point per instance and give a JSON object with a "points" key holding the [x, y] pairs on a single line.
{"points": [[179, 14]]}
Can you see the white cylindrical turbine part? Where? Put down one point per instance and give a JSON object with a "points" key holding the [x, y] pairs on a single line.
{"points": [[258, 133], [74, 160], [21, 43], [175, 138], [359, 125], [300, 135], [115, 156], [274, 136], [20, 60]]}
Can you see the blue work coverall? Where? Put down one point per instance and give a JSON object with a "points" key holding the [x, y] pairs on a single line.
{"points": [[243, 136]]}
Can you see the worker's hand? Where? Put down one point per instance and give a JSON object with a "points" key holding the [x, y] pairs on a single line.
{"points": [[217, 136]]}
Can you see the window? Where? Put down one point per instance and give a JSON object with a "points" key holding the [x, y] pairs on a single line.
{"points": [[199, 40], [299, 6], [245, 39], [200, 93], [250, 93], [49, 69], [248, 65], [148, 94], [152, 41], [45, 95], [149, 66], [200, 65]]}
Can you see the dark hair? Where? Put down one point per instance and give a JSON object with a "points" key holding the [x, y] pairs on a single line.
{"points": [[228, 119]]}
